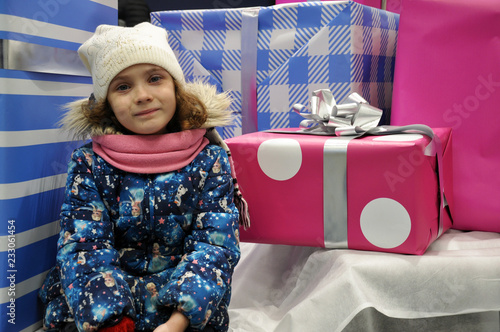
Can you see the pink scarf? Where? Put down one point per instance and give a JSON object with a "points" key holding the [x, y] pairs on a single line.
{"points": [[150, 153]]}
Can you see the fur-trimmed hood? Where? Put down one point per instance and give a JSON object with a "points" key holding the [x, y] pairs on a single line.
{"points": [[217, 104]]}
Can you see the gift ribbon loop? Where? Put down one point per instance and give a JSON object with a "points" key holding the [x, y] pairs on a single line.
{"points": [[354, 116]]}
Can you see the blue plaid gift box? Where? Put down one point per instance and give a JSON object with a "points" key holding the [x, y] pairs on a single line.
{"points": [[270, 58]]}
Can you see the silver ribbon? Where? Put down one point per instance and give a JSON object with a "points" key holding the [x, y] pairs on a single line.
{"points": [[335, 192], [335, 179], [249, 31], [353, 116]]}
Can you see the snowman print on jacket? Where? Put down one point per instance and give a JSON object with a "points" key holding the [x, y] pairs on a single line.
{"points": [[180, 192]]}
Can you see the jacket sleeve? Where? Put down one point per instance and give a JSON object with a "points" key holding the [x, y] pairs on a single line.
{"points": [[93, 284], [203, 277]]}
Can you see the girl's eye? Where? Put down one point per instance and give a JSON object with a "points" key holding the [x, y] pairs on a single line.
{"points": [[122, 87], [155, 79]]}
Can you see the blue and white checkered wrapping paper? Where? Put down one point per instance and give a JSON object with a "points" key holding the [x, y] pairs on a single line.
{"points": [[342, 46]]}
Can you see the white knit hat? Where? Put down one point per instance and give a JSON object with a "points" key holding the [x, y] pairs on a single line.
{"points": [[113, 48]]}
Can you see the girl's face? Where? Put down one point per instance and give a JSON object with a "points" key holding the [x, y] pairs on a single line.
{"points": [[143, 98]]}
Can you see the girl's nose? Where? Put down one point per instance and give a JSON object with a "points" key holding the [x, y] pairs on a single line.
{"points": [[142, 94]]}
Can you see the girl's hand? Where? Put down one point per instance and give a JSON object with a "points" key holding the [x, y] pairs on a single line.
{"points": [[162, 328], [176, 323]]}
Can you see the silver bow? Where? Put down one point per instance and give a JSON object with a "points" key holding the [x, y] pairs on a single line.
{"points": [[354, 116]]}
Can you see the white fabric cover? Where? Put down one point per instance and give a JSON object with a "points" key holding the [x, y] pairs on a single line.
{"points": [[287, 289]]}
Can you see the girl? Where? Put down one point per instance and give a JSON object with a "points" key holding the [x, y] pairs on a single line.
{"points": [[159, 183]]}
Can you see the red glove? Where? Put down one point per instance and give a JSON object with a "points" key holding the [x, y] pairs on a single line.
{"points": [[125, 325]]}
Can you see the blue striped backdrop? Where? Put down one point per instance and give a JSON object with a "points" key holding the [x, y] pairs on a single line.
{"points": [[57, 23], [33, 151]]}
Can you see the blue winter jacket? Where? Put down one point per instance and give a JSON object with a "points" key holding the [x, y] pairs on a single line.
{"points": [[144, 244]]}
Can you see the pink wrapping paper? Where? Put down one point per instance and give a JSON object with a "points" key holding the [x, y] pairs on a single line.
{"points": [[392, 190], [393, 6], [448, 75]]}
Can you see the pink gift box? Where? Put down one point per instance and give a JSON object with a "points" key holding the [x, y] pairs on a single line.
{"points": [[448, 75], [377, 193]]}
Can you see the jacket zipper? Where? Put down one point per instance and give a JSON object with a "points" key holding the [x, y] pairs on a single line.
{"points": [[151, 203]]}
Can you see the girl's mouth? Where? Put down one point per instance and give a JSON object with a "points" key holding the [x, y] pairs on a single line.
{"points": [[146, 112]]}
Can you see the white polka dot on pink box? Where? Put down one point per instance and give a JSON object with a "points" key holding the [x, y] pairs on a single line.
{"points": [[379, 193]]}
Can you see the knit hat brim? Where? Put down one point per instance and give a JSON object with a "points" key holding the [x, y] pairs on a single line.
{"points": [[112, 49]]}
